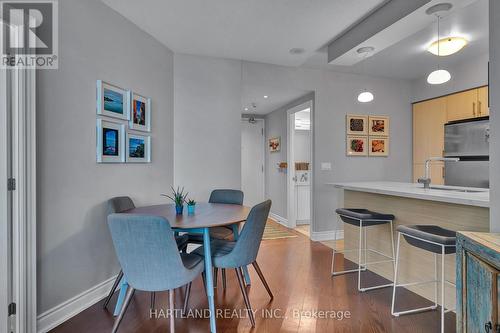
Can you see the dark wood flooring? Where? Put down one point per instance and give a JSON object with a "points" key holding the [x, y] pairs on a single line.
{"points": [[298, 272]]}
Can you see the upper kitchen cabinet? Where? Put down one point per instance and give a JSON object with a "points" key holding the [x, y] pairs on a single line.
{"points": [[482, 102], [467, 104], [429, 118]]}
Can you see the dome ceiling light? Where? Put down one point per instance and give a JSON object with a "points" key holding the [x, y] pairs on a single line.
{"points": [[365, 96]]}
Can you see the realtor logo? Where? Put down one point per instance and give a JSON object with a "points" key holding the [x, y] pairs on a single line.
{"points": [[29, 36]]}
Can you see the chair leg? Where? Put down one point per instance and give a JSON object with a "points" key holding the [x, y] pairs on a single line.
{"points": [[442, 290], [216, 276], [203, 278], [241, 282], [172, 310], [223, 278], [262, 278], [128, 298], [153, 300], [395, 280], [113, 289], [186, 298]]}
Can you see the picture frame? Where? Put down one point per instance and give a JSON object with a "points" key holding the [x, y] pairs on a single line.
{"points": [[112, 101], [356, 124], [140, 113], [378, 146], [356, 145], [378, 125], [110, 145], [134, 152], [274, 144]]}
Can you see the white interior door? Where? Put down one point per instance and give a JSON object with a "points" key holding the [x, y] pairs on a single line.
{"points": [[252, 161]]}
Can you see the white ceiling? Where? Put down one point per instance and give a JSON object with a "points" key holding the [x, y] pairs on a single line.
{"points": [[404, 55], [253, 30], [265, 30]]}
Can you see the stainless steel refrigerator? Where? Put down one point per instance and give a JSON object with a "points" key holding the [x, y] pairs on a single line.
{"points": [[469, 141]]}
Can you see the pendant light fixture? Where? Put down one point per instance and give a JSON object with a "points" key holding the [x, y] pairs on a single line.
{"points": [[439, 76], [365, 96]]}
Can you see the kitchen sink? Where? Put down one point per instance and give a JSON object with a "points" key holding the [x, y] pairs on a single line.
{"points": [[463, 190]]}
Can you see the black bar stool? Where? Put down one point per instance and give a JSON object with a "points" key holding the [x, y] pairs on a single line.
{"points": [[364, 218], [434, 239]]}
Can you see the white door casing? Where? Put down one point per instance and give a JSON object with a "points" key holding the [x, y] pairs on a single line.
{"points": [[252, 161], [291, 180]]}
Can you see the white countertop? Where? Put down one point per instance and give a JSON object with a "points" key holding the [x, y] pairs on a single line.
{"points": [[416, 191]]}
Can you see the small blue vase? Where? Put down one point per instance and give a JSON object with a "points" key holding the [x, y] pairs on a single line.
{"points": [[179, 209], [191, 209]]}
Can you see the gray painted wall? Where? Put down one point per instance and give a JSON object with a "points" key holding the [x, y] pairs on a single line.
{"points": [[464, 75], [74, 247], [207, 120], [335, 96], [494, 118], [275, 184]]}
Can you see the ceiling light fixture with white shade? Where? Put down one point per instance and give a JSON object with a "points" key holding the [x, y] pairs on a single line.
{"points": [[439, 76], [447, 46], [365, 96]]}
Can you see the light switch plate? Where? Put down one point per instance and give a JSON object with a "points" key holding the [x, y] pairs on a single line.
{"points": [[326, 166]]}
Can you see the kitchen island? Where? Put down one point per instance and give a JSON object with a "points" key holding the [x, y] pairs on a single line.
{"points": [[455, 208]]}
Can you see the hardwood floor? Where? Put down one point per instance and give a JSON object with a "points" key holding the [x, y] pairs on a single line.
{"points": [[298, 272]]}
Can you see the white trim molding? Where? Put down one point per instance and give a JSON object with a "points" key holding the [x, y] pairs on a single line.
{"points": [[319, 236], [279, 219], [70, 308]]}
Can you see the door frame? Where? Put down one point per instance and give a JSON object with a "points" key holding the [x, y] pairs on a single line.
{"points": [[290, 188], [263, 145], [20, 221], [5, 218]]}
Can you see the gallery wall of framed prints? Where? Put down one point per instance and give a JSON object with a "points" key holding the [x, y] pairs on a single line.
{"points": [[123, 125], [367, 135]]}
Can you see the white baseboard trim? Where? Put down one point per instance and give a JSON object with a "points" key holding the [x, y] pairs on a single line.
{"points": [[70, 308], [303, 222], [326, 235], [281, 220]]}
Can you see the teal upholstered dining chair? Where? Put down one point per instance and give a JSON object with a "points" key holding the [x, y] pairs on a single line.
{"points": [[222, 196], [149, 257], [120, 205], [243, 252]]}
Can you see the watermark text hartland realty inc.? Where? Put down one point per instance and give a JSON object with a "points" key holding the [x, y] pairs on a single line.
{"points": [[29, 34]]}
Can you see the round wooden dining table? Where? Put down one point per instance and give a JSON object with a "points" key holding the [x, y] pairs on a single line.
{"points": [[206, 216]]}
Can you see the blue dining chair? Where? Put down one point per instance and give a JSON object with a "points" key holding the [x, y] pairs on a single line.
{"points": [[222, 196], [149, 257], [120, 205], [243, 252]]}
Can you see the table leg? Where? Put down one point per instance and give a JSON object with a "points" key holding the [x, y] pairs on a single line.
{"points": [[121, 296], [245, 269], [209, 278]]}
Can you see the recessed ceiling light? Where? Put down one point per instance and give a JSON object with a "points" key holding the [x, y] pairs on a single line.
{"points": [[246, 109], [296, 51], [447, 46], [265, 96], [365, 49]]}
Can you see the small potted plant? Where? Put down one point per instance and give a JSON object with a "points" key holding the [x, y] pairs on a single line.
{"points": [[191, 204], [178, 197]]}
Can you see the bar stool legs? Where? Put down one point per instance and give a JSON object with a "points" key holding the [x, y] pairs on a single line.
{"points": [[436, 281], [362, 252]]}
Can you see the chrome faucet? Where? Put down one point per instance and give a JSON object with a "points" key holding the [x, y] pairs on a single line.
{"points": [[426, 180]]}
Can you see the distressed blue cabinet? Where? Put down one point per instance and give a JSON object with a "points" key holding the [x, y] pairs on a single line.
{"points": [[478, 274]]}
